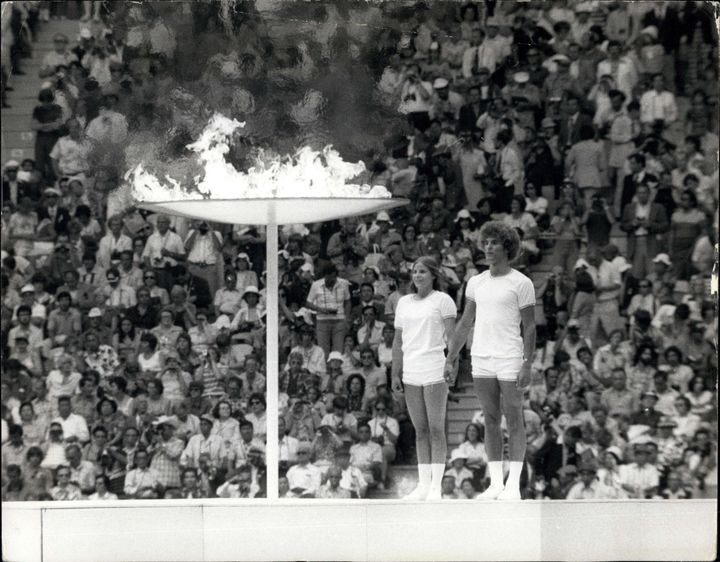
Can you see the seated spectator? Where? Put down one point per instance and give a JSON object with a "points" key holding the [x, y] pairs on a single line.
{"points": [[304, 478], [639, 479], [65, 490]]}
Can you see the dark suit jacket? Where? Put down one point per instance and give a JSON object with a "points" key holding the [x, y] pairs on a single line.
{"points": [[668, 28], [657, 224], [62, 218], [548, 459], [200, 289], [574, 134], [468, 117]]}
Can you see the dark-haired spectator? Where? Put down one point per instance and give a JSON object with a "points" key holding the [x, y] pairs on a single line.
{"points": [[686, 225]]}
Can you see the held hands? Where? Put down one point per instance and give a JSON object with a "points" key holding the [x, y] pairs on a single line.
{"points": [[449, 371], [524, 376], [397, 384]]}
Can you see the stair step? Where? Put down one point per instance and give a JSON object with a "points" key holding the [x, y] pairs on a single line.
{"points": [[15, 123], [17, 139]]}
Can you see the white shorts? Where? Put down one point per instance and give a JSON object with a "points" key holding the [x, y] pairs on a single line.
{"points": [[500, 368], [426, 378]]}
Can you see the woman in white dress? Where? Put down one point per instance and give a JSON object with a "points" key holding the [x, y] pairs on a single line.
{"points": [[424, 322]]}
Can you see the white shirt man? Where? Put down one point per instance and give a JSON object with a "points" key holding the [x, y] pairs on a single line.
{"points": [[71, 155], [112, 244], [658, 105], [74, 426], [203, 250], [623, 72], [157, 242], [212, 445], [480, 54], [304, 475]]}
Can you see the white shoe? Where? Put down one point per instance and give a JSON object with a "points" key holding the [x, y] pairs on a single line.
{"points": [[492, 493], [510, 494], [434, 495], [418, 494]]}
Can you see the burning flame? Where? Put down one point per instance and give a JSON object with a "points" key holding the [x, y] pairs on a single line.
{"points": [[307, 173]]}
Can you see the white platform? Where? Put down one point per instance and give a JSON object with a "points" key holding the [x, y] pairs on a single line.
{"points": [[178, 530]]}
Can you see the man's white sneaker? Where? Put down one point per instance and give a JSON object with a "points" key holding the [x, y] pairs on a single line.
{"points": [[418, 494], [509, 494], [491, 493]]}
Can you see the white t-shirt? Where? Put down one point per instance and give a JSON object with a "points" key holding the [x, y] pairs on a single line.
{"points": [[422, 322], [498, 302]]}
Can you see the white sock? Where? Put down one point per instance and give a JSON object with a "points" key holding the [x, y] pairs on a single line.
{"points": [[437, 471], [513, 481], [424, 476], [496, 474]]}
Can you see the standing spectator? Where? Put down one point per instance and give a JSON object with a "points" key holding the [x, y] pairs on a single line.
{"points": [[47, 122], [330, 298], [166, 451], [685, 226], [657, 106], [586, 164], [163, 250], [646, 223]]}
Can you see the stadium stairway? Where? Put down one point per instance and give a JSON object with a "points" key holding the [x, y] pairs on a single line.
{"points": [[18, 140]]}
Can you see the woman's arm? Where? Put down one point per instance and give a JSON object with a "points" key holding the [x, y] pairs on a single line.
{"points": [[397, 361]]}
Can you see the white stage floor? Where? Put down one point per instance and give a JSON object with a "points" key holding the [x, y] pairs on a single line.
{"points": [[178, 530]]}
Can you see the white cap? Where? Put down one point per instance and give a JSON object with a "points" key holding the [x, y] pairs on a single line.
{"points": [[47, 85], [650, 30], [53, 191], [440, 83], [252, 289], [560, 58], [457, 454], [583, 7], [27, 289], [463, 214], [11, 164], [244, 256], [581, 263], [663, 258], [573, 323], [382, 216], [306, 267], [335, 355], [95, 313], [85, 33], [221, 322], [521, 77]]}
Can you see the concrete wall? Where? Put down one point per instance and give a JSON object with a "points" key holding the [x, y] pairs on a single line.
{"points": [[177, 530]]}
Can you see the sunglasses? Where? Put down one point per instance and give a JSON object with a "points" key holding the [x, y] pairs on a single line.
{"points": [[253, 402], [149, 277]]}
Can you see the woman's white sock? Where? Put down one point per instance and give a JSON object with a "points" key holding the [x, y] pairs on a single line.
{"points": [[513, 481], [496, 474]]}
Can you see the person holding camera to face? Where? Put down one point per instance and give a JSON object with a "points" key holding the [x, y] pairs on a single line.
{"points": [[203, 246], [415, 97]]}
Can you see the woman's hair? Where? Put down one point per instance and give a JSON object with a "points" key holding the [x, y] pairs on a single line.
{"points": [[520, 200], [641, 349], [685, 400], [480, 431], [131, 333], [258, 396], [352, 378], [159, 384], [184, 336], [120, 382], [216, 408], [46, 96], [507, 235], [150, 339], [104, 399], [432, 266], [695, 379], [675, 349], [587, 132]]}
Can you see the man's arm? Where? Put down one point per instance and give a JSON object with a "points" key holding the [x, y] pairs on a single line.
{"points": [[527, 316], [459, 338]]}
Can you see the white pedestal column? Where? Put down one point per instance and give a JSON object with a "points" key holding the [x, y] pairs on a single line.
{"points": [[271, 361]]}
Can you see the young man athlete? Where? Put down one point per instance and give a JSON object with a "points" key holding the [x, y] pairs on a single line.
{"points": [[501, 302]]}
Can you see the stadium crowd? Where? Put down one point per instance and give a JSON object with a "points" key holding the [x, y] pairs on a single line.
{"points": [[133, 344]]}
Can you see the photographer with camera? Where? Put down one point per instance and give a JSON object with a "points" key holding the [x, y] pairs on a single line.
{"points": [[598, 220], [415, 97]]}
